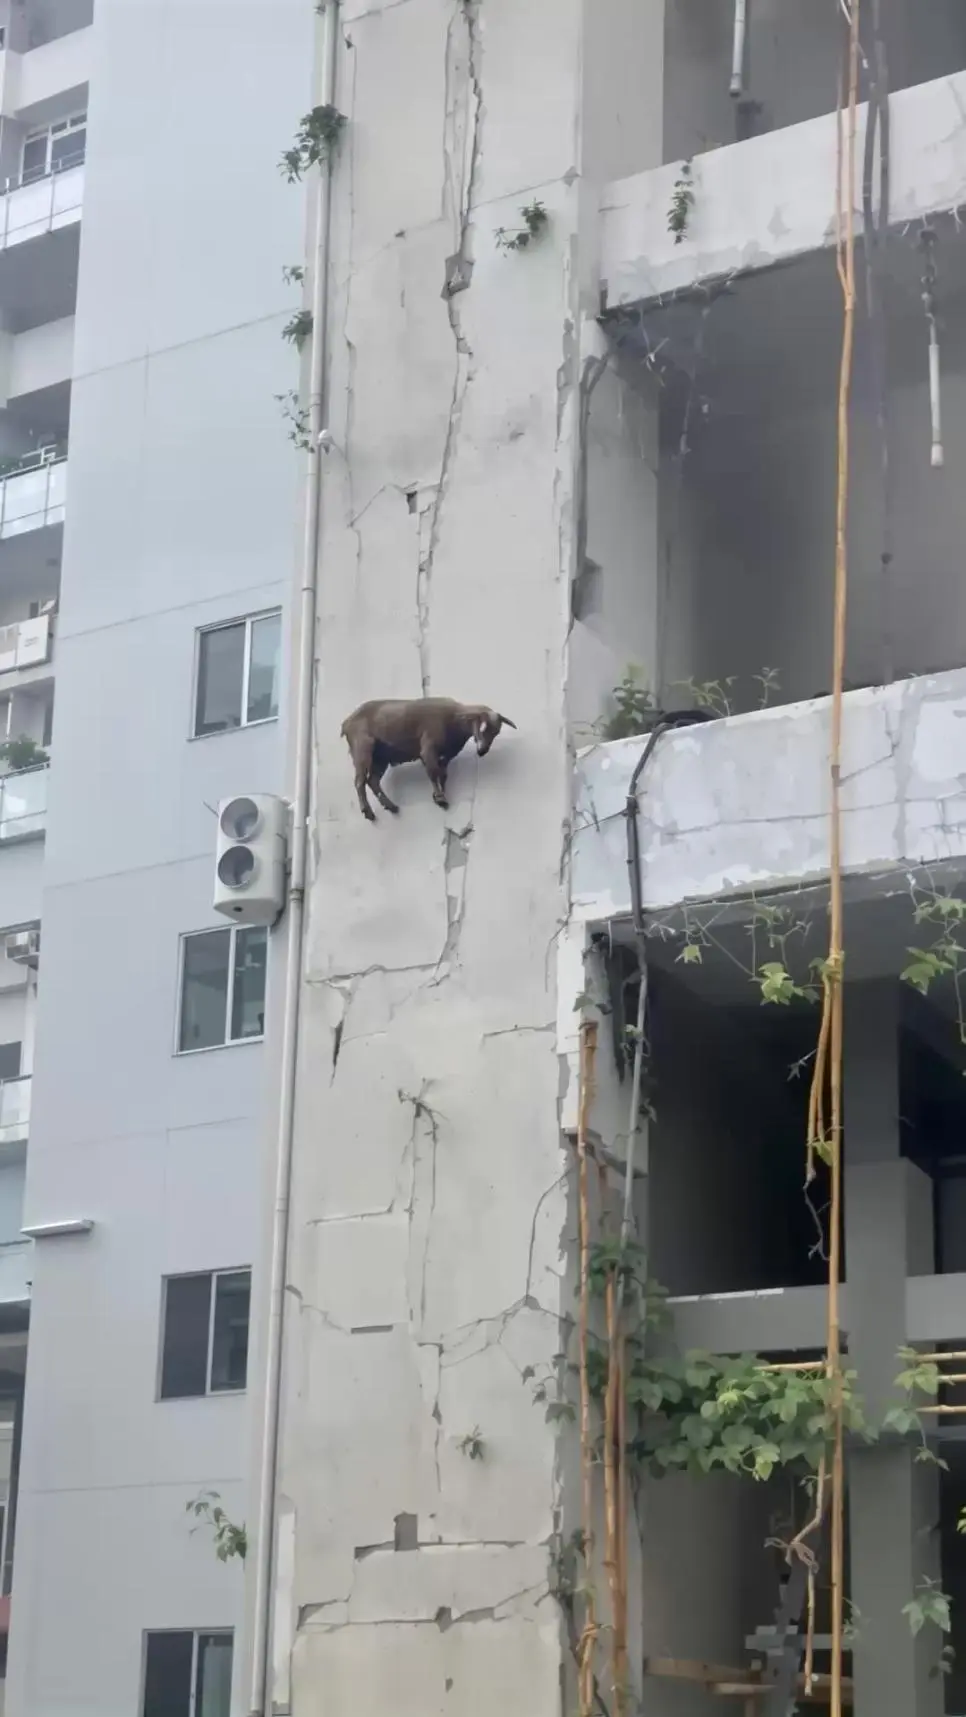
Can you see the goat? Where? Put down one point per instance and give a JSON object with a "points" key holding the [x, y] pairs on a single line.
{"points": [[432, 731]]}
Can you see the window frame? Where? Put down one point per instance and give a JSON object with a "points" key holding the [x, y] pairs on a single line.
{"points": [[67, 123], [228, 1042], [209, 1393], [248, 621], [197, 1634]]}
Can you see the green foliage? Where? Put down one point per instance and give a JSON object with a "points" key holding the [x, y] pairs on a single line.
{"points": [[713, 695], [769, 682], [472, 1444], [945, 957], [634, 707], [318, 133], [23, 753], [298, 328], [230, 1540], [682, 202], [930, 1604], [297, 418], [534, 217], [700, 1412]]}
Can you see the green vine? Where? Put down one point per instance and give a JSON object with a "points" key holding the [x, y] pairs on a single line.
{"points": [[945, 956], [297, 418]]}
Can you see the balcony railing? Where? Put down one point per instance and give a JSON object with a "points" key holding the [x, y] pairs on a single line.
{"points": [[25, 643], [23, 815], [40, 205], [14, 1109], [33, 494]]}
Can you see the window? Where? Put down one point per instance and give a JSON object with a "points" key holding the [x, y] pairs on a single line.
{"points": [[222, 987], [53, 148], [187, 1675], [204, 1338], [238, 671], [10, 1061]]}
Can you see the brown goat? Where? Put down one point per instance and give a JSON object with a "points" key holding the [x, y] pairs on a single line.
{"points": [[432, 731]]}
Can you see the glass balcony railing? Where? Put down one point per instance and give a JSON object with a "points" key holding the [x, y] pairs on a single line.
{"points": [[41, 205], [34, 492], [14, 1109], [25, 643], [23, 807]]}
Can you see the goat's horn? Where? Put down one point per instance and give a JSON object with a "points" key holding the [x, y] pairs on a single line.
{"points": [[508, 723]]}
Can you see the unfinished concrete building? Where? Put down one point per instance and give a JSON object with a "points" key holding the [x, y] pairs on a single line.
{"points": [[579, 374]]}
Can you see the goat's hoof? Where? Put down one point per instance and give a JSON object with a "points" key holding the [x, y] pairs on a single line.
{"points": [[391, 807], [370, 816], [442, 803]]}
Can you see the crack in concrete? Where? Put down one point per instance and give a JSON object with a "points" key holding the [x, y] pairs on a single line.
{"points": [[456, 848], [422, 1112], [463, 86]]}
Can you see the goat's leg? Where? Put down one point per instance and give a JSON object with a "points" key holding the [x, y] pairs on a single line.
{"points": [[362, 758], [435, 767], [376, 774]]}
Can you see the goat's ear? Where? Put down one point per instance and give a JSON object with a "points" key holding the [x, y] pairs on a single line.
{"points": [[506, 722]]}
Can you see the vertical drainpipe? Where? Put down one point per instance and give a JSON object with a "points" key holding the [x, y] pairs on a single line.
{"points": [[304, 658], [738, 48]]}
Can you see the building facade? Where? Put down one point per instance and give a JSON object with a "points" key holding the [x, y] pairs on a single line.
{"points": [[143, 649], [585, 331], [558, 436]]}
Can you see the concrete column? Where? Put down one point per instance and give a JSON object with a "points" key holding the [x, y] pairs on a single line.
{"points": [[893, 1500]]}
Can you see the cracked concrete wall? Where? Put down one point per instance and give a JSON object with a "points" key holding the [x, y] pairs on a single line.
{"points": [[431, 1202], [772, 198], [742, 803]]}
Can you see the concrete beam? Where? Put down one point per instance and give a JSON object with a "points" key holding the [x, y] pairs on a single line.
{"points": [[771, 1320], [772, 198], [741, 805]]}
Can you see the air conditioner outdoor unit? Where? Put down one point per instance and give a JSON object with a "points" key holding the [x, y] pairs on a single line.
{"points": [[23, 947]]}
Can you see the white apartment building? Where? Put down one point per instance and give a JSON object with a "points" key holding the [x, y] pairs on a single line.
{"points": [[145, 228], [289, 1212]]}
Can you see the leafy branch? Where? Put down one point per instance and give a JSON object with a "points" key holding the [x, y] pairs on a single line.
{"points": [[682, 202], [297, 418], [298, 328], [318, 134], [534, 217], [230, 1539]]}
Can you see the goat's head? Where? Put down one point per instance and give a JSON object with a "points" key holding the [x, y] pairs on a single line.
{"points": [[486, 725]]}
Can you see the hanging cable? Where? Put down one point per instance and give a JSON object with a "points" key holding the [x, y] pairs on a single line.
{"points": [[927, 242]]}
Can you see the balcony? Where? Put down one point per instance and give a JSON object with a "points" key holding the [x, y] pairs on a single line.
{"points": [[44, 205], [33, 492], [23, 816], [26, 644], [740, 806], [14, 1123], [772, 198]]}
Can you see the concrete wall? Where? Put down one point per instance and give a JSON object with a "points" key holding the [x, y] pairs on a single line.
{"points": [[182, 511], [760, 510], [430, 1242]]}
